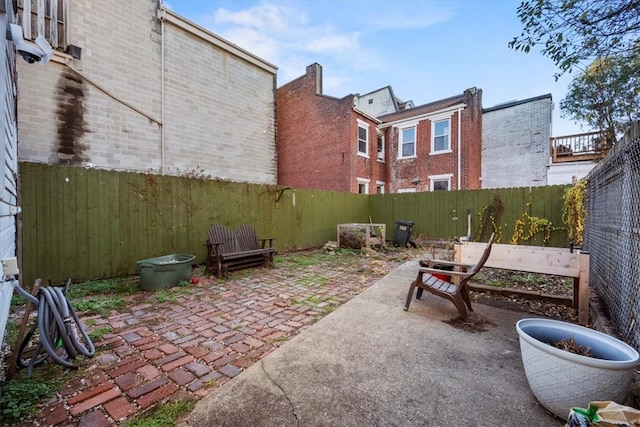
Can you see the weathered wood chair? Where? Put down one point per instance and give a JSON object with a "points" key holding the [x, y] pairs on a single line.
{"points": [[456, 292], [232, 251]]}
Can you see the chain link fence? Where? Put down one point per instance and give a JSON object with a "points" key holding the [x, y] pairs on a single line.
{"points": [[612, 233]]}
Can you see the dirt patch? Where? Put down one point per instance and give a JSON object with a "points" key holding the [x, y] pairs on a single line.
{"points": [[474, 323], [541, 284]]}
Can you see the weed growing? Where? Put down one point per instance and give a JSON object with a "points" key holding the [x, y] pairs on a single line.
{"points": [[97, 334], [162, 415], [20, 395], [101, 305]]}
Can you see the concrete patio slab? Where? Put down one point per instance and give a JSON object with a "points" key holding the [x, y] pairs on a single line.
{"points": [[371, 363]]}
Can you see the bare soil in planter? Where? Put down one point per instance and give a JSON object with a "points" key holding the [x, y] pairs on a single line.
{"points": [[555, 286]]}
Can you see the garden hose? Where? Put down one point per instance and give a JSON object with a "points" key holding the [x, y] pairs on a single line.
{"points": [[59, 329]]}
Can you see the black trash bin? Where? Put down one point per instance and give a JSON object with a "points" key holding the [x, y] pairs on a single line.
{"points": [[403, 233]]}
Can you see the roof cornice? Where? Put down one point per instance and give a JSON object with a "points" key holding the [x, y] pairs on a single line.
{"points": [[173, 18], [449, 109]]}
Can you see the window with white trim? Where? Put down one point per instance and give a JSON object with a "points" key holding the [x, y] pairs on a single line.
{"points": [[440, 131], [406, 190], [380, 155], [440, 182], [380, 187], [363, 186], [363, 138], [407, 144]]}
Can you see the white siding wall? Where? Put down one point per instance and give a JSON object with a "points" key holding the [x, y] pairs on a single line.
{"points": [[8, 166], [515, 144], [219, 109], [568, 172]]}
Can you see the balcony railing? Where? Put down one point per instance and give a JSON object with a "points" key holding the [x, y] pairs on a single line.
{"points": [[584, 146]]}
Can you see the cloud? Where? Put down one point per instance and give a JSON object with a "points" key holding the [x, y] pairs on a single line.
{"points": [[264, 17], [342, 36]]}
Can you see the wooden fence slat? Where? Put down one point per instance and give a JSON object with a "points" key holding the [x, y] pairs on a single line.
{"points": [[101, 222]]}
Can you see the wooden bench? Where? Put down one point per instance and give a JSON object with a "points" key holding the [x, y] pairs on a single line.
{"points": [[228, 251], [534, 259]]}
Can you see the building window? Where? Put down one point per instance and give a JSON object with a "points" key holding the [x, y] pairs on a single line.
{"points": [[440, 140], [363, 186], [363, 138], [381, 147], [380, 187], [46, 18], [407, 142], [440, 182], [406, 190]]}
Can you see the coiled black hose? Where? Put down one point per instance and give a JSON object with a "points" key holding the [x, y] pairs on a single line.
{"points": [[59, 328]]}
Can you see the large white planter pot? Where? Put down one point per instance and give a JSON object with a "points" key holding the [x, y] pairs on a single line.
{"points": [[561, 380]]}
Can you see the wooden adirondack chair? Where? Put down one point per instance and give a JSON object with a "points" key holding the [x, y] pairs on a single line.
{"points": [[456, 292]]}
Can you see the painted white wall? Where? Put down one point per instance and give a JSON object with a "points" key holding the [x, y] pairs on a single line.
{"points": [[377, 103], [566, 173], [515, 144], [8, 166], [219, 106]]}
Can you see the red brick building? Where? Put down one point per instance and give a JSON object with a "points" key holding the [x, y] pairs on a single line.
{"points": [[324, 142], [436, 146], [328, 143]]}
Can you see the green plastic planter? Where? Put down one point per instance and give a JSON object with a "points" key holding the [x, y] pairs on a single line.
{"points": [[165, 271]]}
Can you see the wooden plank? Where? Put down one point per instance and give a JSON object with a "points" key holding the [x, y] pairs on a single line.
{"points": [[94, 230], [532, 259], [56, 230], [583, 289], [522, 293], [68, 190], [81, 225]]}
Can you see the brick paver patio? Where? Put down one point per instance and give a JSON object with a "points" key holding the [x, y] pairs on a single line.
{"points": [[210, 333]]}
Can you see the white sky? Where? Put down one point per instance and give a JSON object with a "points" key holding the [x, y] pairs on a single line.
{"points": [[425, 50]]}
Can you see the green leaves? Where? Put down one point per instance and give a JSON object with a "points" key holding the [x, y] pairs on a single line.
{"points": [[606, 94], [572, 32]]}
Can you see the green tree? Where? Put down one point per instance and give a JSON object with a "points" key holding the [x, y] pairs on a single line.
{"points": [[606, 95], [574, 32]]}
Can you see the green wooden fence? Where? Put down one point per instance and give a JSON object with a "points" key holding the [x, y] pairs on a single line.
{"points": [[447, 214], [89, 223]]}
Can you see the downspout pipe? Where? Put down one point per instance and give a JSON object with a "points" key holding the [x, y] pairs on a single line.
{"points": [[459, 146], [162, 96]]}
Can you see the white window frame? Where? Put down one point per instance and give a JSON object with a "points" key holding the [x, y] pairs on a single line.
{"points": [[401, 141], [444, 177], [365, 182], [380, 187], [379, 153], [433, 135], [363, 125], [406, 190]]}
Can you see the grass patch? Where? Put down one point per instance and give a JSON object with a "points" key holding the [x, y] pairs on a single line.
{"points": [[101, 305], [162, 415], [97, 334], [11, 331], [313, 281], [305, 259], [20, 395], [279, 339], [103, 287], [328, 309], [101, 296], [314, 300], [166, 296], [17, 301]]}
